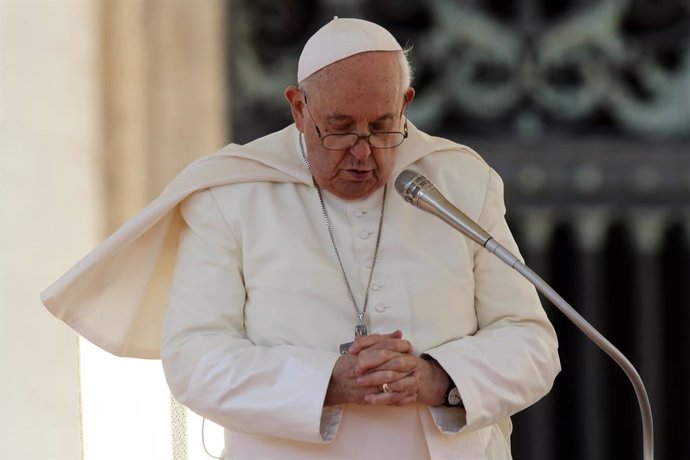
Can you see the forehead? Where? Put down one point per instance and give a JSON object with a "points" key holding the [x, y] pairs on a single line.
{"points": [[371, 79]]}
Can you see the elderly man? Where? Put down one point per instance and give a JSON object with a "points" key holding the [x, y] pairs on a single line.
{"points": [[273, 279], [312, 313]]}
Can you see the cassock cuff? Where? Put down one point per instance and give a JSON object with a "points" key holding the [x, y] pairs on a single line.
{"points": [[330, 421]]}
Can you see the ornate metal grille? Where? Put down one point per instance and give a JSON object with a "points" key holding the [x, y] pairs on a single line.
{"points": [[527, 69]]}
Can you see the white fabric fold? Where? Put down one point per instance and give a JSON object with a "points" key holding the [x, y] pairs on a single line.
{"points": [[116, 296]]}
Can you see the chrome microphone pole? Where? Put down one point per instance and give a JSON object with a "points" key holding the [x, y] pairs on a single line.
{"points": [[421, 193]]}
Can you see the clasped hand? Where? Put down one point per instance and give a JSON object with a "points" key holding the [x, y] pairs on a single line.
{"points": [[376, 359]]}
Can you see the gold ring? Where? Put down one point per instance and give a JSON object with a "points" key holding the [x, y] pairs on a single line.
{"points": [[385, 388]]}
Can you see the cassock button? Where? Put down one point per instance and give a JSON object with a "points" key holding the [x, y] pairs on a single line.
{"points": [[381, 307], [364, 234], [359, 213], [376, 286], [368, 263]]}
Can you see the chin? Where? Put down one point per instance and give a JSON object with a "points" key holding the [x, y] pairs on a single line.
{"points": [[355, 191]]}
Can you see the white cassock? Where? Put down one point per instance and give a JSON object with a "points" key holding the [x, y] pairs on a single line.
{"points": [[258, 305]]}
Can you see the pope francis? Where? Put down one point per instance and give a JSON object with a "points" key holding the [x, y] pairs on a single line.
{"points": [[297, 302]]}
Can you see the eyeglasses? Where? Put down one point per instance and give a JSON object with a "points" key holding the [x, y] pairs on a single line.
{"points": [[377, 139]]}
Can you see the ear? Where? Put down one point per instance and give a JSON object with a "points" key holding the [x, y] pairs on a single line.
{"points": [[294, 98], [409, 95], [407, 98]]}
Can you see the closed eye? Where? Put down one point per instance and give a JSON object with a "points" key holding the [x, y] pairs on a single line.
{"points": [[344, 124], [340, 123], [341, 129], [382, 123]]}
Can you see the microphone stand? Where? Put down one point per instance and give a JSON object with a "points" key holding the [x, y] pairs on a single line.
{"points": [[595, 336], [420, 192]]}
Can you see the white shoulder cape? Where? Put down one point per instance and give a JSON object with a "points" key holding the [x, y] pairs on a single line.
{"points": [[116, 296]]}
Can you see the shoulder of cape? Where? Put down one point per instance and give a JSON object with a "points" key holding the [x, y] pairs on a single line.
{"points": [[424, 148], [91, 298], [132, 251], [274, 158], [269, 159]]}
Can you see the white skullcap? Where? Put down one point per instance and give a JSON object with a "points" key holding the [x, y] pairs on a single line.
{"points": [[341, 38]]}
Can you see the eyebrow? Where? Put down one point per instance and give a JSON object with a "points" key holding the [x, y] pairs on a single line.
{"points": [[338, 117]]}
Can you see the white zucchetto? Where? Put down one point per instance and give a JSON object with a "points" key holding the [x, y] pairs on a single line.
{"points": [[341, 38]]}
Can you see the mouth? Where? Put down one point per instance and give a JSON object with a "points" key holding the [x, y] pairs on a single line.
{"points": [[359, 174]]}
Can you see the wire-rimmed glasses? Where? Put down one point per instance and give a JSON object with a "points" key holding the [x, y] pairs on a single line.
{"points": [[376, 139]]}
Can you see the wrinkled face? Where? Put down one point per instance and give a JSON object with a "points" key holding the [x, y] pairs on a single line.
{"points": [[360, 94]]}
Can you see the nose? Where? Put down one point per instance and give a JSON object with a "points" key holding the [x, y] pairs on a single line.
{"points": [[361, 150]]}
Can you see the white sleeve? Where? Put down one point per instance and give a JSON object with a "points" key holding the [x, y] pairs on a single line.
{"points": [[211, 366], [512, 359]]}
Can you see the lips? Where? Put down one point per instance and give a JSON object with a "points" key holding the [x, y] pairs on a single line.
{"points": [[359, 174]]}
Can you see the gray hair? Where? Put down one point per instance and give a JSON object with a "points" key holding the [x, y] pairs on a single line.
{"points": [[406, 68]]}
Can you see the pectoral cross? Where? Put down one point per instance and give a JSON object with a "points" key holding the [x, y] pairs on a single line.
{"points": [[360, 330]]}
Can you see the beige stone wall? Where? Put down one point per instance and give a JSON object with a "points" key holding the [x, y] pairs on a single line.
{"points": [[49, 210], [164, 94], [101, 103]]}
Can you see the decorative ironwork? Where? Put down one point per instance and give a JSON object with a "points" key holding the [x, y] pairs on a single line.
{"points": [[528, 69]]}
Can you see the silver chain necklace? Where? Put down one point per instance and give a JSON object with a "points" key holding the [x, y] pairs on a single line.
{"points": [[361, 327]]}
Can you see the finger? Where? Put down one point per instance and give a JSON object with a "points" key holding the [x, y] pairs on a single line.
{"points": [[400, 383], [399, 345], [366, 341], [379, 378], [407, 384], [385, 399], [380, 348], [385, 360], [400, 362]]}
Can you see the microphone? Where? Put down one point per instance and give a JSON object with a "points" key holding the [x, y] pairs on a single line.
{"points": [[417, 190], [421, 193]]}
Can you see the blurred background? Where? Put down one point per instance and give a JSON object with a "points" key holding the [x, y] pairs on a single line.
{"points": [[582, 106]]}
